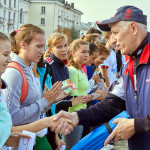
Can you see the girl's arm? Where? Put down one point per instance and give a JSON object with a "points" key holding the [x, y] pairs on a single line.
{"points": [[43, 123], [26, 114]]}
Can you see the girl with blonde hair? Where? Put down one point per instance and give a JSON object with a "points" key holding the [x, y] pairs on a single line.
{"points": [[56, 60], [78, 55]]}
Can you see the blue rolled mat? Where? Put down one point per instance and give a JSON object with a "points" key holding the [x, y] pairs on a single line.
{"points": [[95, 140]]}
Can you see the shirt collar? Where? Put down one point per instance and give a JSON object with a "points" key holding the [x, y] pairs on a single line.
{"points": [[62, 63]]}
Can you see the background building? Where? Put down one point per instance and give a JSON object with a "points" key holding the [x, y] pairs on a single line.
{"points": [[49, 14], [13, 13], [54, 14]]}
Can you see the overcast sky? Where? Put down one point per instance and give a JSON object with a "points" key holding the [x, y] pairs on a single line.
{"points": [[95, 10]]}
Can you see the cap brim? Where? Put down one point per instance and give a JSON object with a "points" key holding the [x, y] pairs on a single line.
{"points": [[104, 25]]}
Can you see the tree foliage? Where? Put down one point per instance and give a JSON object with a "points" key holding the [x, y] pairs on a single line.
{"points": [[74, 33], [71, 33]]}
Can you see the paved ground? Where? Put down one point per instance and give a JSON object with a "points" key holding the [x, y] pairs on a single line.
{"points": [[120, 145]]}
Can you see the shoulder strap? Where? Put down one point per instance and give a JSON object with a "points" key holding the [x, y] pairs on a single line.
{"points": [[24, 90], [45, 75]]}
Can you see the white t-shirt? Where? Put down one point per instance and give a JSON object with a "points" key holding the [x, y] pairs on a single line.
{"points": [[111, 63]]}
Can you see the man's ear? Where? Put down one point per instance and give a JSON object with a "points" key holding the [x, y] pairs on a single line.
{"points": [[23, 44], [133, 28]]}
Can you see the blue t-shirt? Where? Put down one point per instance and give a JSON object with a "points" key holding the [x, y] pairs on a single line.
{"points": [[90, 71]]}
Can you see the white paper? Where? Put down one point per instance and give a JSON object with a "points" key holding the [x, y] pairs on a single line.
{"points": [[62, 147], [27, 144], [41, 133], [95, 95]]}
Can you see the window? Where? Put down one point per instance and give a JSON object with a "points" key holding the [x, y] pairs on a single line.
{"points": [[14, 16], [9, 14], [4, 14], [42, 21], [43, 10], [5, 2], [21, 15], [9, 3], [14, 3]]}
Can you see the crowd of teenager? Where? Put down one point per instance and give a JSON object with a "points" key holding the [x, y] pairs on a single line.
{"points": [[32, 93], [31, 80]]}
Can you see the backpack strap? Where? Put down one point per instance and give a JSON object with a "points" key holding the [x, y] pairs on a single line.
{"points": [[45, 75], [48, 62], [24, 90]]}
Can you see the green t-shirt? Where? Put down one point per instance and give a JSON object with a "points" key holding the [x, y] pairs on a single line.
{"points": [[80, 79]]}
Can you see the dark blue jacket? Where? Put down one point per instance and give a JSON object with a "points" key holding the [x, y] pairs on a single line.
{"points": [[122, 96], [138, 105], [58, 72]]}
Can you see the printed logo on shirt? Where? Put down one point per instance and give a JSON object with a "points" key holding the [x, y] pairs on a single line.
{"points": [[49, 60]]}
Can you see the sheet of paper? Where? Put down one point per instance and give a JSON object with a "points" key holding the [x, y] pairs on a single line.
{"points": [[62, 147], [97, 71], [69, 89], [27, 144], [95, 95]]}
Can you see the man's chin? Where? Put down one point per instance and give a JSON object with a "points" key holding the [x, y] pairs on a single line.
{"points": [[123, 53]]}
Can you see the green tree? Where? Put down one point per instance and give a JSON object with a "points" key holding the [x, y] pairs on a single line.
{"points": [[74, 33]]}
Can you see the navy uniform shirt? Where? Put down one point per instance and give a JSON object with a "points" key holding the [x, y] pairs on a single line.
{"points": [[58, 69], [58, 72]]}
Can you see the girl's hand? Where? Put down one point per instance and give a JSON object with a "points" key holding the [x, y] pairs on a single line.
{"points": [[103, 93], [77, 100], [87, 99], [14, 139], [58, 142], [52, 94], [62, 95], [97, 79]]}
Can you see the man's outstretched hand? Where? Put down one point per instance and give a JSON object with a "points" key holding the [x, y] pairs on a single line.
{"points": [[65, 127]]}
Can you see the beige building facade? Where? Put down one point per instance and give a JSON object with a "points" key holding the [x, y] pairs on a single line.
{"points": [[13, 13], [53, 14], [48, 14]]}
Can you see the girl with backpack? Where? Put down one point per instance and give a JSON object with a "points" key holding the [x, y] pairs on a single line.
{"points": [[28, 47], [7, 137]]}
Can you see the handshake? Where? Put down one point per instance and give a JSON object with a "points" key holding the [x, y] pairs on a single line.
{"points": [[63, 122]]}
